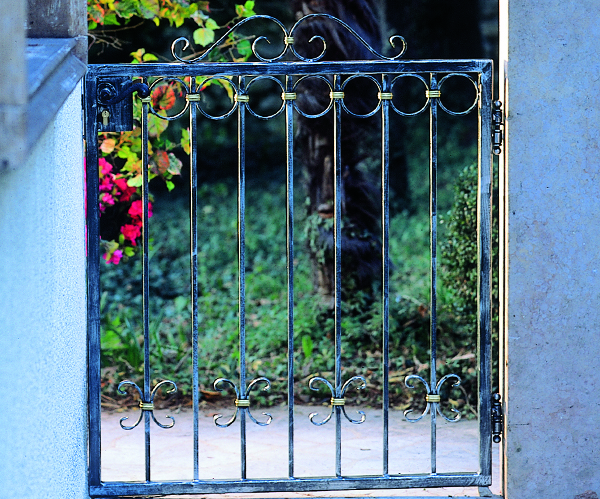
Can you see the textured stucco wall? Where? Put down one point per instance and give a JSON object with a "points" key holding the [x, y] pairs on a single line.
{"points": [[549, 57], [43, 435]]}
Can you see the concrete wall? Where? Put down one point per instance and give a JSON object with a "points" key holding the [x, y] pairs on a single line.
{"points": [[551, 72], [43, 435]]}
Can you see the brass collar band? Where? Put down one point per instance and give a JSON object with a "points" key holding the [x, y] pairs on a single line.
{"points": [[433, 93], [146, 406], [433, 398], [146, 100], [385, 96], [242, 98], [335, 401], [288, 96], [336, 95], [242, 402], [193, 97], [289, 40]]}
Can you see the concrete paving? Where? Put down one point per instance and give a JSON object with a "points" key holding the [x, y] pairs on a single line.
{"points": [[267, 449]]}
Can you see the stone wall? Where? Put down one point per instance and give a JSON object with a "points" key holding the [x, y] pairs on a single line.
{"points": [[43, 436], [550, 73]]}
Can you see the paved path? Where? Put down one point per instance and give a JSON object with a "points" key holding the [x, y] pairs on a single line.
{"points": [[457, 449]]}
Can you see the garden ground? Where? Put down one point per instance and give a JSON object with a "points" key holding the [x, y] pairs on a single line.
{"points": [[457, 448]]}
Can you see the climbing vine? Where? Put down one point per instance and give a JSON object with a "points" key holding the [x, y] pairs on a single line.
{"points": [[121, 159]]}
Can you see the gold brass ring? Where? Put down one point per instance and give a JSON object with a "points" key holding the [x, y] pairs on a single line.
{"points": [[242, 402], [146, 406], [242, 98], [385, 95], [288, 96], [335, 401], [433, 93], [192, 97], [336, 95], [433, 398]]}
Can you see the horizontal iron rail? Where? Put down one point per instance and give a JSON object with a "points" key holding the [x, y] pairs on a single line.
{"points": [[289, 485], [173, 69]]}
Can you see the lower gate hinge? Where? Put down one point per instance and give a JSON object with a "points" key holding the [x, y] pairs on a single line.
{"points": [[497, 418], [498, 130]]}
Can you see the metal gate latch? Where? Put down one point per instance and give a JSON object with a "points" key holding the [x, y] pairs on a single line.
{"points": [[114, 102], [498, 122], [497, 418]]}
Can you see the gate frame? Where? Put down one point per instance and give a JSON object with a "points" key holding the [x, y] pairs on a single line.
{"points": [[484, 69]]}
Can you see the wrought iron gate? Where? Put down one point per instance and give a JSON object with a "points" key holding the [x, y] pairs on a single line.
{"points": [[108, 107]]}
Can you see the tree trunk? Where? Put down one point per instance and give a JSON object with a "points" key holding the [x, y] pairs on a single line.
{"points": [[361, 253]]}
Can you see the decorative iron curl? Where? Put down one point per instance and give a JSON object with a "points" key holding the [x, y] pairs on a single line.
{"points": [[288, 41], [379, 89], [337, 401], [243, 402], [186, 42], [392, 40], [432, 398], [147, 405], [156, 84], [473, 104]]}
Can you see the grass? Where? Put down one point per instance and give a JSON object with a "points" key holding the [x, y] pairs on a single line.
{"points": [[266, 309]]}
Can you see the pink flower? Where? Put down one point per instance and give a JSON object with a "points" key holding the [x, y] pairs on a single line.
{"points": [[136, 211], [107, 199], [105, 166], [114, 258], [131, 232], [106, 184], [125, 191]]}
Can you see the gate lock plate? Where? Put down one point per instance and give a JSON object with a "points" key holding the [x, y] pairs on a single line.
{"points": [[115, 116]]}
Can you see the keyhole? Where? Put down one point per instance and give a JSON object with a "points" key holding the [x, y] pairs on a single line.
{"points": [[105, 116]]}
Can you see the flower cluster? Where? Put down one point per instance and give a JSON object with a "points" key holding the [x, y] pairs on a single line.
{"points": [[114, 190]]}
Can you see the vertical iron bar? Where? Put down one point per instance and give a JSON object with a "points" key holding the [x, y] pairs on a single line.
{"points": [[145, 281], [337, 238], [385, 234], [194, 267], [484, 281], [93, 277], [242, 260], [289, 122], [433, 116]]}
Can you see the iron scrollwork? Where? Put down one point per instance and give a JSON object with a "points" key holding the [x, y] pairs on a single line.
{"points": [[242, 402], [288, 41], [146, 405], [337, 401], [433, 398]]}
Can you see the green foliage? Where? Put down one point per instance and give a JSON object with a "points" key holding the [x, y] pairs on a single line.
{"points": [[121, 152], [112, 12], [266, 306], [459, 256]]}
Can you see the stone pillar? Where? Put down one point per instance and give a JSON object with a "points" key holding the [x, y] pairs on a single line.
{"points": [[550, 85], [43, 345]]}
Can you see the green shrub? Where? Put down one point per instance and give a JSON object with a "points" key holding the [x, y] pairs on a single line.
{"points": [[459, 258]]}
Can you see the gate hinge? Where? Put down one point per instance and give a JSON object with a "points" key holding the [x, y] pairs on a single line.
{"points": [[498, 131], [497, 418]]}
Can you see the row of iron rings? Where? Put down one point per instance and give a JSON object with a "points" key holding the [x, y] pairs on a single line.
{"points": [[333, 95]]}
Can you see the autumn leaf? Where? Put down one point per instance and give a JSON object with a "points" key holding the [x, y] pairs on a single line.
{"points": [[185, 140], [161, 159], [108, 146], [156, 125], [163, 97], [149, 8], [174, 165], [204, 36]]}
